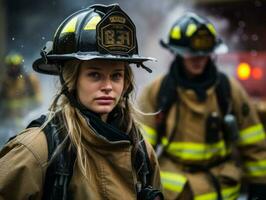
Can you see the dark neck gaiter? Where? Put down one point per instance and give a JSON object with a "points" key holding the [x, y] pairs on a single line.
{"points": [[108, 130], [199, 84]]}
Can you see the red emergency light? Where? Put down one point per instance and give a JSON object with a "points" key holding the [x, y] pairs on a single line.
{"points": [[245, 71], [257, 73]]}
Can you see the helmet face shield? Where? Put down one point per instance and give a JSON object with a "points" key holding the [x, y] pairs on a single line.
{"points": [[192, 35], [98, 32], [202, 40]]}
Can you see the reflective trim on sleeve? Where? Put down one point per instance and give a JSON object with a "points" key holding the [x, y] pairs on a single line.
{"points": [[256, 168], [230, 193], [173, 181], [252, 134], [196, 151], [149, 134]]}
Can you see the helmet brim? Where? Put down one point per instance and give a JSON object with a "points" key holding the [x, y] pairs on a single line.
{"points": [[50, 64], [219, 48]]}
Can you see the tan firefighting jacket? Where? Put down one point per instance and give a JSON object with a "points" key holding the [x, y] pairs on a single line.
{"points": [[20, 94], [189, 147], [23, 163]]}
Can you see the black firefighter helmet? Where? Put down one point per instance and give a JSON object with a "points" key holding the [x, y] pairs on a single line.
{"points": [[193, 35], [97, 32]]}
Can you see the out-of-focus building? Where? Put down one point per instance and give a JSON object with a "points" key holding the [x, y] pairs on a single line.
{"points": [[241, 23], [2, 33], [245, 36]]}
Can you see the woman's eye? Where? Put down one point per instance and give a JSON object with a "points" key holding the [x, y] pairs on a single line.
{"points": [[94, 75], [117, 76]]}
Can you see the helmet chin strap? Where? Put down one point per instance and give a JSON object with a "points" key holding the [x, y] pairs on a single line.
{"points": [[144, 67]]}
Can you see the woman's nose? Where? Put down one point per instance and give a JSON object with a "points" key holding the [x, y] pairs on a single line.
{"points": [[107, 85]]}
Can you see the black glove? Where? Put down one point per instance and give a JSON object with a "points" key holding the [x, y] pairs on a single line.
{"points": [[257, 191], [149, 193]]}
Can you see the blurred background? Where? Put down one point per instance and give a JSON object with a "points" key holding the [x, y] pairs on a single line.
{"points": [[27, 25]]}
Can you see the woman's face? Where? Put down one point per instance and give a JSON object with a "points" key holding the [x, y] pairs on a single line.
{"points": [[195, 66], [100, 85]]}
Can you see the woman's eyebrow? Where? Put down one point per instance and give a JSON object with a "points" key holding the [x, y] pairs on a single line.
{"points": [[93, 68], [119, 69], [101, 68]]}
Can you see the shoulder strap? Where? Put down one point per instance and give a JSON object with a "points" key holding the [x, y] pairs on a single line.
{"points": [[166, 97], [47, 130], [223, 92], [146, 191], [60, 170], [147, 164]]}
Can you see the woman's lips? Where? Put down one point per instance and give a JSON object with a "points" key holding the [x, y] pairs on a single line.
{"points": [[105, 100]]}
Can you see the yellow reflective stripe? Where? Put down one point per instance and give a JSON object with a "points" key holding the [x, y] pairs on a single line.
{"points": [[211, 29], [209, 196], [149, 134], [256, 168], [191, 28], [230, 193], [19, 103], [91, 25], [176, 33], [70, 27], [187, 150], [252, 135], [196, 151], [173, 181]]}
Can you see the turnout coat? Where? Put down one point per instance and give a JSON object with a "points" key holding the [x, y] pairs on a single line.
{"points": [[111, 175], [189, 147]]}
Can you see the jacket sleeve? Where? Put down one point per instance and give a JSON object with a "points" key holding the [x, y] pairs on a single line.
{"points": [[21, 171], [251, 143]]}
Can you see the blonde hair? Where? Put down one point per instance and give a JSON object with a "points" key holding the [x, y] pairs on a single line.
{"points": [[74, 125]]}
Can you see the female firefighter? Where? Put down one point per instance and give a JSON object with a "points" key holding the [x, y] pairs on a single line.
{"points": [[204, 116], [88, 146]]}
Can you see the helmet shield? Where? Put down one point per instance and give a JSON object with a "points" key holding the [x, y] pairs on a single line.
{"points": [[98, 32], [192, 35]]}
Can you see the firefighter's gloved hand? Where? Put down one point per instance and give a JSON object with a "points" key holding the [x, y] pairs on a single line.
{"points": [[149, 193], [257, 192]]}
